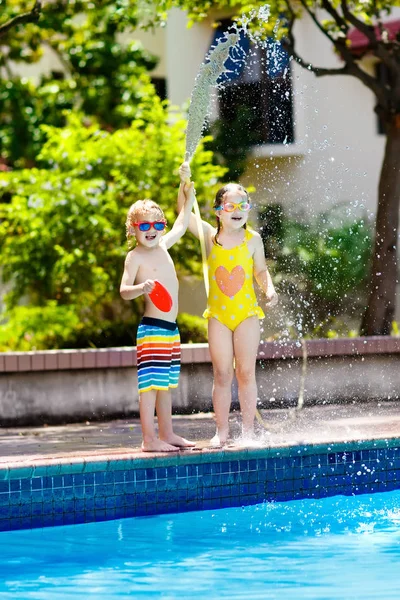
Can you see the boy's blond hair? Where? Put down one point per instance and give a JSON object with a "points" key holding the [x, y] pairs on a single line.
{"points": [[136, 210]]}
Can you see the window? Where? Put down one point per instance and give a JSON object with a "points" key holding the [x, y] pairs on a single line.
{"points": [[259, 93], [160, 85]]}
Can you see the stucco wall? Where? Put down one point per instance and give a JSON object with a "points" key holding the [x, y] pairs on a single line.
{"points": [[67, 386]]}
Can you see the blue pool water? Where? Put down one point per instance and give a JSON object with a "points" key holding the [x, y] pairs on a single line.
{"points": [[332, 549]]}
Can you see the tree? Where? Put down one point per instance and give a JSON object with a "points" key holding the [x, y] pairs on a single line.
{"points": [[335, 19], [29, 16], [62, 227], [94, 72]]}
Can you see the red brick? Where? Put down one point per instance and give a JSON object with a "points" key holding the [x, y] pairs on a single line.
{"points": [[186, 355], [11, 362], [102, 359], [114, 357], [50, 362], [128, 358], [24, 362], [77, 360], [37, 361], [64, 360], [89, 359]]}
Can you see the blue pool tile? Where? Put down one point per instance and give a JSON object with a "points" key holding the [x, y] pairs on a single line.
{"points": [[130, 488], [129, 500], [89, 504], [151, 473], [69, 506], [234, 466], [58, 519], [206, 469], [100, 515], [252, 476], [141, 498], [79, 517], [14, 498], [253, 464], [79, 479], [15, 485], [80, 504], [69, 518], [110, 502], [79, 491], [192, 482], [109, 477], [215, 479], [151, 485], [244, 465], [192, 470], [192, 494], [119, 489], [88, 478], [215, 468], [5, 525]]}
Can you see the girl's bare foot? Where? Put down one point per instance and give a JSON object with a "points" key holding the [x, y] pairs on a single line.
{"points": [[157, 445], [179, 441], [219, 440]]}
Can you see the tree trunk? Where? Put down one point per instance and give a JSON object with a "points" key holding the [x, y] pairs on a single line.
{"points": [[379, 313]]}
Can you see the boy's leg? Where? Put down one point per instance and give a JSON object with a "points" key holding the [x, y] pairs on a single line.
{"points": [[151, 443], [164, 417], [220, 341], [246, 339]]}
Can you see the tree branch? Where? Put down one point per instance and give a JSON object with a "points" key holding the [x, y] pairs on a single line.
{"points": [[340, 22], [29, 17], [351, 67], [315, 20], [368, 31], [289, 45]]}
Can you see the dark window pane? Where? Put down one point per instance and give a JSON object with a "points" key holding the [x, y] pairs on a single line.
{"points": [[160, 85], [268, 104]]}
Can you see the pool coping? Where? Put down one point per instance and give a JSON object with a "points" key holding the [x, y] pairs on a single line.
{"points": [[75, 491], [90, 464]]}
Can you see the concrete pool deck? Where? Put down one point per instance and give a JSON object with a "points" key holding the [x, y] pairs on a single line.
{"points": [[96, 441]]}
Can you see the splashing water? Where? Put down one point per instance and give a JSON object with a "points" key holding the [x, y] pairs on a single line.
{"points": [[210, 72], [201, 95]]}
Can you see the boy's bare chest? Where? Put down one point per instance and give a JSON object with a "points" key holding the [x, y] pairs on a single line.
{"points": [[158, 264]]}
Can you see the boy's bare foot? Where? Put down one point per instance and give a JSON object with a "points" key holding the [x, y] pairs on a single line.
{"points": [[158, 446], [179, 441]]}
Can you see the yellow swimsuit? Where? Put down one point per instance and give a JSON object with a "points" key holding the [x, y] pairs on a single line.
{"points": [[232, 298]]}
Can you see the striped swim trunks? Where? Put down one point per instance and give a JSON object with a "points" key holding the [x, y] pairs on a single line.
{"points": [[158, 354]]}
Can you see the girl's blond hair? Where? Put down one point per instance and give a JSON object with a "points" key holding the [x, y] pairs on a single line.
{"points": [[135, 212]]}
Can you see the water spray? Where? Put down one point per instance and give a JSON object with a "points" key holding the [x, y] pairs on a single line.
{"points": [[197, 116]]}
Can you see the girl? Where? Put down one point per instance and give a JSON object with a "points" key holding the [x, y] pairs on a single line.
{"points": [[235, 255]]}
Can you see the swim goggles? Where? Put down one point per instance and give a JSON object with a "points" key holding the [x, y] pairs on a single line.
{"points": [[231, 206], [147, 225]]}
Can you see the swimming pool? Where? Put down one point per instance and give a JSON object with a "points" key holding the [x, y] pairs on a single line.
{"points": [[326, 549]]}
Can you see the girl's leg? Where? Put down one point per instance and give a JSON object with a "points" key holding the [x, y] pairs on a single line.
{"points": [[164, 417], [151, 443], [246, 339], [220, 341]]}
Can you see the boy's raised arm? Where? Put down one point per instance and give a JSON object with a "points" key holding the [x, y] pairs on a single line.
{"points": [[182, 222], [185, 174]]}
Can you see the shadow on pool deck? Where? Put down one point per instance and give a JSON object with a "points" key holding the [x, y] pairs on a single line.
{"points": [[121, 439]]}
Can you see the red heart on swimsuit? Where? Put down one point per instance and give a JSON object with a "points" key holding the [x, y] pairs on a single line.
{"points": [[230, 282]]}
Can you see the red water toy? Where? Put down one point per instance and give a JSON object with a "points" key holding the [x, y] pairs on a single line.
{"points": [[161, 298]]}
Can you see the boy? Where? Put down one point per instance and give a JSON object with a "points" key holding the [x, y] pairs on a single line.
{"points": [[158, 342]]}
